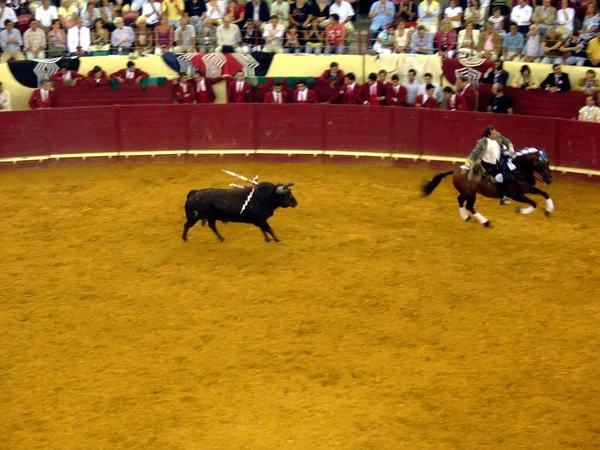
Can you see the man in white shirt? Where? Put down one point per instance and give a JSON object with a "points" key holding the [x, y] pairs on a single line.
{"points": [[228, 35], [151, 11], [589, 113], [4, 99], [45, 14], [345, 10], [78, 39], [6, 13], [437, 93], [412, 86], [521, 15], [273, 36]]}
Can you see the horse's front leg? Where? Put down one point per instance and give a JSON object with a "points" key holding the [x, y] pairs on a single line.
{"points": [[522, 199], [549, 209]]}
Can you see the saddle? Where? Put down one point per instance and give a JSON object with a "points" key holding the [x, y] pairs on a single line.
{"points": [[477, 172]]}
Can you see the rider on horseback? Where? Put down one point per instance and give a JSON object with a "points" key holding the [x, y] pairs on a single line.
{"points": [[488, 151]]}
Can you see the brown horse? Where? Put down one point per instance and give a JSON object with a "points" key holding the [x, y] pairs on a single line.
{"points": [[519, 182]]}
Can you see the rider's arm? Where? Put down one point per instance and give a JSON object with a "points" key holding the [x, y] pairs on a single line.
{"points": [[509, 145], [476, 153]]}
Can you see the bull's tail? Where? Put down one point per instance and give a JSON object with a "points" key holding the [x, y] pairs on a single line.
{"points": [[429, 186]]}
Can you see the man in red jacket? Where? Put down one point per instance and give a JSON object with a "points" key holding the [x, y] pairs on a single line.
{"points": [[66, 76], [203, 87], [333, 77], [183, 91], [396, 94], [303, 95], [130, 75], [277, 95], [239, 91], [351, 92], [43, 97], [426, 100], [467, 93], [97, 77], [373, 93], [453, 102]]}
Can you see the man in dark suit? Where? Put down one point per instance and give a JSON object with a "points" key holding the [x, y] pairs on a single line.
{"points": [[276, 96], [557, 82], [257, 11], [350, 92], [239, 90], [203, 87], [303, 94]]}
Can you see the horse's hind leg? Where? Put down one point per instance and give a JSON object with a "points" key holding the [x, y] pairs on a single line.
{"points": [[549, 209], [462, 211], [522, 199], [480, 217]]}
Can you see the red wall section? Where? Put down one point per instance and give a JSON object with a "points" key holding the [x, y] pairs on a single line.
{"points": [[287, 127]]}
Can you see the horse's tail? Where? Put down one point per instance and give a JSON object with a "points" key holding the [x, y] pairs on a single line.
{"points": [[428, 187]]}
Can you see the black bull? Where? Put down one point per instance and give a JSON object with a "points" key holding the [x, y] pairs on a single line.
{"points": [[210, 205]]}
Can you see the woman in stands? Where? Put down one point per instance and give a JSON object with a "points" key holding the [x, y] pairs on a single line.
{"points": [[591, 23], [525, 80], [144, 41], [467, 41], [237, 13], [163, 35], [314, 38], [565, 18], [402, 37], [475, 14], [446, 39], [57, 40], [99, 39]]}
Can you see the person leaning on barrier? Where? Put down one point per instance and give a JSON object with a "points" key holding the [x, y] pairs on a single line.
{"points": [[590, 112], [97, 77], [129, 75], [5, 104], [499, 103]]}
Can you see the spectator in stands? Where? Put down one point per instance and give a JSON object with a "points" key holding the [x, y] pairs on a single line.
{"points": [[216, 12], [475, 14], [34, 41], [43, 97], [385, 41], [589, 84], [174, 10], [302, 94], [183, 91], [591, 22], [5, 104], [429, 11], [452, 102], [350, 92], [258, 11], [252, 40], [551, 46], [45, 14], [321, 12], [408, 11], [525, 79], [206, 37], [446, 40], [97, 77], [573, 50], [90, 14], [593, 51], [185, 36], [237, 12], [402, 37], [467, 92], [421, 42], [195, 9], [67, 13], [426, 100], [144, 41], [544, 16], [496, 74], [163, 35], [151, 11], [239, 90], [590, 112], [333, 77], [6, 13], [335, 36], [468, 40], [281, 9], [522, 15], [500, 103], [565, 19], [382, 13], [273, 36], [454, 13], [292, 40], [315, 40], [229, 38], [412, 86], [129, 75], [372, 92], [428, 81], [122, 38], [557, 82], [107, 12], [533, 45], [345, 11], [57, 40], [100, 41], [490, 43], [276, 96], [10, 42], [497, 20], [66, 76], [513, 44], [395, 94], [79, 39], [204, 86]]}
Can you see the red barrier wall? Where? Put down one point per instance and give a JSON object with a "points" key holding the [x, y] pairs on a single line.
{"points": [[287, 127]]}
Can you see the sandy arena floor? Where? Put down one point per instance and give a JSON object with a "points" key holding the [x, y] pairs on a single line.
{"points": [[381, 321]]}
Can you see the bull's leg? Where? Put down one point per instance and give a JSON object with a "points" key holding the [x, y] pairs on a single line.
{"points": [[191, 221], [266, 228], [213, 226], [186, 228]]}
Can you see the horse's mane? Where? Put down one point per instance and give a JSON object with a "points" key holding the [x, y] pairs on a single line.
{"points": [[525, 151]]}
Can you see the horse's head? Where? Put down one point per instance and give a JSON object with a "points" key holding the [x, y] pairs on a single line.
{"points": [[541, 165]]}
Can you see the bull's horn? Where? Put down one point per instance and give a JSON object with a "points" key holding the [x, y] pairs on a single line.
{"points": [[282, 189], [291, 183]]}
